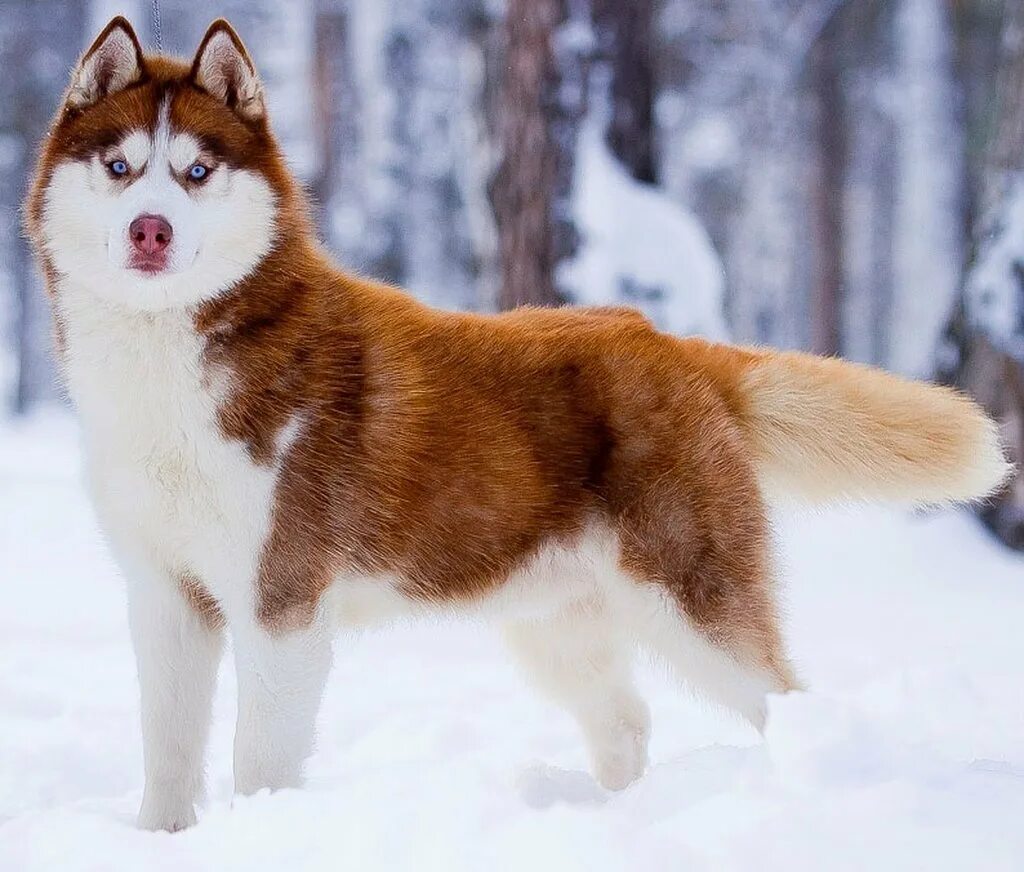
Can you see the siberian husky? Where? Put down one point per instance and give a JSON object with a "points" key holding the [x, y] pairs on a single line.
{"points": [[276, 447]]}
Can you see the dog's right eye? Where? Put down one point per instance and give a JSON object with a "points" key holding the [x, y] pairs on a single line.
{"points": [[118, 167]]}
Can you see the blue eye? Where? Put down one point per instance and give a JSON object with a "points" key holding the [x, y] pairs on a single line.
{"points": [[119, 167], [197, 171]]}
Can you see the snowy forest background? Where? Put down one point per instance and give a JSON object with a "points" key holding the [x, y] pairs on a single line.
{"points": [[844, 176]]}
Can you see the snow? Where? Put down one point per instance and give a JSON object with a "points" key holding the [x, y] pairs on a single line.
{"points": [[712, 143], [994, 294], [907, 752], [638, 247]]}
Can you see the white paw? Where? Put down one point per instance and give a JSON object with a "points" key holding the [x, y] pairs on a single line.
{"points": [[617, 769], [620, 755], [165, 813], [251, 779]]}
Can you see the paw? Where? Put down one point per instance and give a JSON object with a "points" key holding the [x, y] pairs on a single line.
{"points": [[619, 752], [616, 770], [162, 813], [250, 779]]}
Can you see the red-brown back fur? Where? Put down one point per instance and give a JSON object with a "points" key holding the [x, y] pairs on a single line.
{"points": [[447, 448]]}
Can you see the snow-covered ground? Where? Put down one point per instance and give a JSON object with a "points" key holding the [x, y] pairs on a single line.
{"points": [[907, 753]]}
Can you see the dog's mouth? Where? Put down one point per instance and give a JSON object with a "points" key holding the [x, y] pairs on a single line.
{"points": [[156, 264], [148, 266]]}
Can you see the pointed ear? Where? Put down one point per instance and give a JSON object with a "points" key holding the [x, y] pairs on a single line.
{"points": [[113, 62], [223, 68]]}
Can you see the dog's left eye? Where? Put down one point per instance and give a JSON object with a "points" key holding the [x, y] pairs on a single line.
{"points": [[118, 167], [197, 172]]}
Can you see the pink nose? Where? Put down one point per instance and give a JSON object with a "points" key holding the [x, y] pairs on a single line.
{"points": [[150, 234]]}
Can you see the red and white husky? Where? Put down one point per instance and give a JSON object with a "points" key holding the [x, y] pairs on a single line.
{"points": [[275, 446]]}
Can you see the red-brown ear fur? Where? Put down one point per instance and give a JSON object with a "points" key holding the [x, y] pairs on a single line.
{"points": [[222, 67], [113, 62]]}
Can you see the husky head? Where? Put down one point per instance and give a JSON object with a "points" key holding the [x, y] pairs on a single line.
{"points": [[160, 185]]}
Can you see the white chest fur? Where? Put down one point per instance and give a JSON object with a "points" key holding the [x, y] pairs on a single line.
{"points": [[170, 490]]}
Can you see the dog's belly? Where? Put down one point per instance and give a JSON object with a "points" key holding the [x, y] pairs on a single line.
{"points": [[561, 572]]}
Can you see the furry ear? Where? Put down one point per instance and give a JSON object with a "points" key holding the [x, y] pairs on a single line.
{"points": [[223, 68], [113, 62]]}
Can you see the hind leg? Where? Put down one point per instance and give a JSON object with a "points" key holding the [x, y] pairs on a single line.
{"points": [[582, 661], [695, 581], [736, 673]]}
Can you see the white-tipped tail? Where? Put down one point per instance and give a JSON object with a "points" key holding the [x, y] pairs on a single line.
{"points": [[824, 430]]}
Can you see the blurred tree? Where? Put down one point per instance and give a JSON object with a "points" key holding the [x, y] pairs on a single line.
{"points": [[37, 48], [399, 88], [334, 110], [433, 83], [626, 41], [526, 189], [818, 142], [827, 67], [886, 183], [549, 50], [864, 73], [736, 113], [986, 336], [928, 240]]}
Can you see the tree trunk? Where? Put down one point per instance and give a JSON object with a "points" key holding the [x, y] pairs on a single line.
{"points": [[927, 241], [525, 186], [625, 40], [333, 110], [827, 281], [870, 178]]}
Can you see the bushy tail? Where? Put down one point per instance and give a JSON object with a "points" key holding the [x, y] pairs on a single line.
{"points": [[824, 430]]}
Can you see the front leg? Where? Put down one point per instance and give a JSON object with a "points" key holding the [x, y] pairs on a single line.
{"points": [[281, 676], [178, 645]]}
